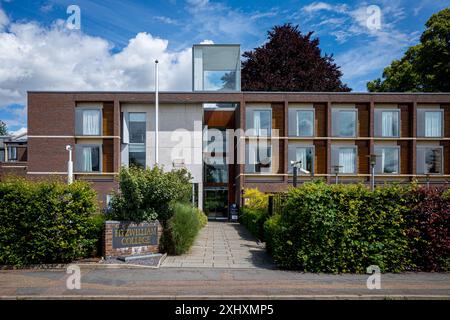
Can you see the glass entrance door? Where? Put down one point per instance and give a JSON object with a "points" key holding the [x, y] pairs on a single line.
{"points": [[215, 203]]}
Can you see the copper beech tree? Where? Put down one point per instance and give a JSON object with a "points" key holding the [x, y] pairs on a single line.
{"points": [[290, 61]]}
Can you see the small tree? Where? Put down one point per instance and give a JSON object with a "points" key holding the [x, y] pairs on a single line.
{"points": [[3, 128], [290, 61], [147, 194]]}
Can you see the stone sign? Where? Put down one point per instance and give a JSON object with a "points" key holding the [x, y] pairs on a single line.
{"points": [[146, 235], [128, 238]]}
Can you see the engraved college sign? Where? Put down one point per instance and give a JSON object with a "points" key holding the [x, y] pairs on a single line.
{"points": [[133, 236]]}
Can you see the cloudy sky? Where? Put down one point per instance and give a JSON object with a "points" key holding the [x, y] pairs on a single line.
{"points": [[119, 40]]}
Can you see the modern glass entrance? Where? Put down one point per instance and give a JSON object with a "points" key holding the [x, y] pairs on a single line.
{"points": [[215, 203]]}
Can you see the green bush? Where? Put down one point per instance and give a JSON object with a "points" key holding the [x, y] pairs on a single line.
{"points": [[182, 229], [253, 220], [147, 194], [46, 222], [203, 218], [340, 228]]}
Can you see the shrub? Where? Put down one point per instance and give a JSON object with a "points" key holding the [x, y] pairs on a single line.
{"points": [[253, 220], [255, 212], [46, 222], [429, 228], [203, 218], [340, 228], [147, 194], [182, 229]]}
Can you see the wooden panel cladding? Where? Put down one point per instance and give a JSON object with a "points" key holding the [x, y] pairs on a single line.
{"points": [[405, 120], [219, 119], [108, 155], [363, 119], [363, 159], [278, 156], [278, 118], [446, 155], [108, 118], [446, 120], [405, 157], [321, 119], [320, 159]]}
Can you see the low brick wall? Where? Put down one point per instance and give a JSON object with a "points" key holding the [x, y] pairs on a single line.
{"points": [[128, 238]]}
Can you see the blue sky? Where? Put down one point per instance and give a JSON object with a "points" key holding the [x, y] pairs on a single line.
{"points": [[119, 40]]}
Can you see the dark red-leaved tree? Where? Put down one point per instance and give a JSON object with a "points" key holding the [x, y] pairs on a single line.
{"points": [[290, 61]]}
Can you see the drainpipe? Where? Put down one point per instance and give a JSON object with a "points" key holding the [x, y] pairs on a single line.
{"points": [[69, 165]]}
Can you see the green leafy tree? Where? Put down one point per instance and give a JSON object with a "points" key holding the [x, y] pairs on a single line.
{"points": [[148, 194], [425, 66], [3, 129]]}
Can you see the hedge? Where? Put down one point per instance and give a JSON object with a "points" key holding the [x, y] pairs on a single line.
{"points": [[46, 222], [346, 228], [182, 229], [255, 212]]}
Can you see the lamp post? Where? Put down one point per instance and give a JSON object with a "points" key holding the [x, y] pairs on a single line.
{"points": [[294, 165], [69, 165], [156, 113], [336, 170], [373, 162]]}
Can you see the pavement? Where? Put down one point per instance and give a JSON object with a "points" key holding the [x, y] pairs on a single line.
{"points": [[226, 262], [223, 245]]}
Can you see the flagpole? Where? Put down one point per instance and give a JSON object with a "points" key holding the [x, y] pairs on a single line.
{"points": [[156, 114]]}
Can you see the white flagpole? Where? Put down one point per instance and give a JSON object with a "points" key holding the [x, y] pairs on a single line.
{"points": [[156, 114]]}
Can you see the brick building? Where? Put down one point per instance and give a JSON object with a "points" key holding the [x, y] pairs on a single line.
{"points": [[325, 134]]}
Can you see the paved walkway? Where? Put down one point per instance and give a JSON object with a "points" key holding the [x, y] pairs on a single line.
{"points": [[223, 245]]}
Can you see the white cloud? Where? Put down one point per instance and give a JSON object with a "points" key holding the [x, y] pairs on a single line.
{"points": [[3, 19], [206, 41], [36, 58], [319, 6]]}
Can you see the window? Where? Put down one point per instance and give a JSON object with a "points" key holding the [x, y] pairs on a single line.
{"points": [[88, 158], [345, 158], [137, 132], [2, 155], [305, 157], [305, 123], [88, 122], [344, 123], [12, 153], [259, 158], [219, 80], [387, 160], [387, 123], [262, 122], [429, 123], [216, 141], [429, 160], [433, 123], [216, 172]]}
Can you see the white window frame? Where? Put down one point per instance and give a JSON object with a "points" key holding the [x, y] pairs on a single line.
{"points": [[297, 131], [336, 156], [80, 146], [441, 148], [88, 108], [379, 126], [335, 122], [420, 128], [378, 149], [313, 151], [255, 147]]}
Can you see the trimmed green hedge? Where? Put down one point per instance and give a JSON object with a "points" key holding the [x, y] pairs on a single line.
{"points": [[182, 229], [346, 228], [47, 222]]}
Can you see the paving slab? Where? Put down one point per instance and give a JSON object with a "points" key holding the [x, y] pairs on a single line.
{"points": [[223, 245]]}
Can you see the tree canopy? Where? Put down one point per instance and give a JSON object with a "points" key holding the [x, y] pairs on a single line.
{"points": [[425, 66], [3, 129], [290, 61]]}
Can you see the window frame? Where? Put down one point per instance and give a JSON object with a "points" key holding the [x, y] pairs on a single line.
{"points": [[80, 146], [441, 148], [379, 126], [421, 116], [256, 148], [335, 158], [81, 109], [313, 151], [269, 131], [297, 131], [398, 148], [335, 122], [130, 144]]}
